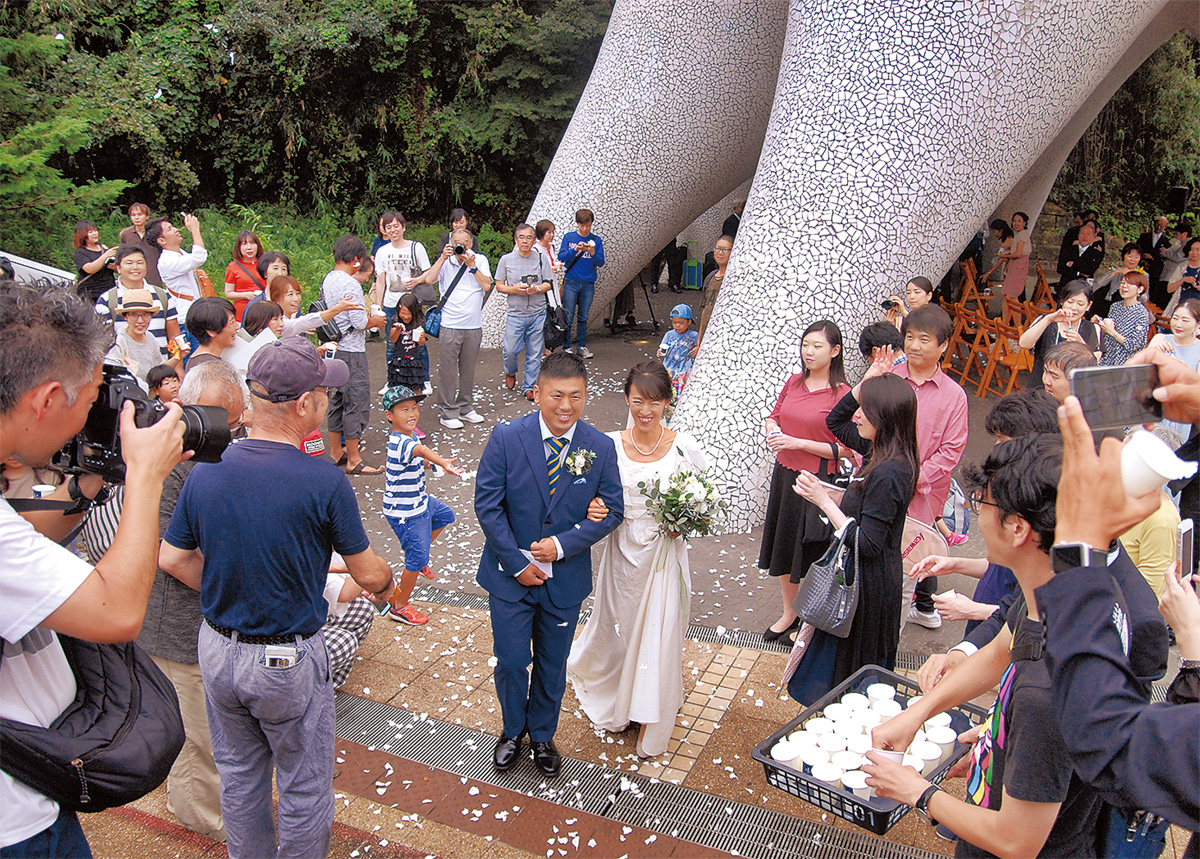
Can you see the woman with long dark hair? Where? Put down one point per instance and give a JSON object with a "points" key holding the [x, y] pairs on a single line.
{"points": [[795, 535], [878, 419]]}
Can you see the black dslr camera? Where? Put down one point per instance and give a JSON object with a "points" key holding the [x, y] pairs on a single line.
{"points": [[97, 448], [460, 249]]}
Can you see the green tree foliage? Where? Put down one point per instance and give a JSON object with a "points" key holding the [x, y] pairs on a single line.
{"points": [[1145, 140], [325, 106]]}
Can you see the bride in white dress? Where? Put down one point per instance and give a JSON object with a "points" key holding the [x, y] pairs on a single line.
{"points": [[627, 664]]}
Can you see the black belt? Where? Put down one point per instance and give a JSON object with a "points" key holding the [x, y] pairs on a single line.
{"points": [[259, 639]]}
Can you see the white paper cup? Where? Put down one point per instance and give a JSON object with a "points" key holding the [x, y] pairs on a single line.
{"points": [[887, 708], [1148, 462], [856, 701], [803, 740], [848, 760], [930, 753], [916, 762], [944, 738], [913, 700], [855, 781], [938, 720], [918, 737], [880, 692], [819, 726], [896, 757], [830, 774], [785, 752], [860, 745], [831, 743], [848, 728], [837, 712], [809, 758], [869, 719]]}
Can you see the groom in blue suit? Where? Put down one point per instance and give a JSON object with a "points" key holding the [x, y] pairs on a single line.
{"points": [[536, 478]]}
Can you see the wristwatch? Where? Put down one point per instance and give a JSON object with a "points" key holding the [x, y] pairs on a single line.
{"points": [[1188, 663], [922, 806], [1068, 556], [473, 269]]}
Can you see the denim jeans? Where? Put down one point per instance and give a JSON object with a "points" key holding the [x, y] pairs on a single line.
{"points": [[263, 718], [524, 332], [577, 294], [389, 313], [62, 839]]}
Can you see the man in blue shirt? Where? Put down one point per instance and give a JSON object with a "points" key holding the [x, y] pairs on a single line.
{"points": [[254, 534], [583, 252]]}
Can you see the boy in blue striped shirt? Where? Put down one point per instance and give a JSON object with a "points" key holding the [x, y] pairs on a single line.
{"points": [[416, 518]]}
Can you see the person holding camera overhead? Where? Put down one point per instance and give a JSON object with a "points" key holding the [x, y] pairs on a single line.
{"points": [[463, 277], [51, 347], [525, 276]]}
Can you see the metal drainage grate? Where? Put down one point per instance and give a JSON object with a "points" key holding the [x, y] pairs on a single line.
{"points": [[661, 807]]}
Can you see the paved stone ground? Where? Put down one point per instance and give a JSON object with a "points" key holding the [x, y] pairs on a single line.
{"points": [[438, 678]]}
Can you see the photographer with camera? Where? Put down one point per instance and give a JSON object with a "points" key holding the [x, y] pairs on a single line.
{"points": [[51, 348], [463, 278], [525, 276]]}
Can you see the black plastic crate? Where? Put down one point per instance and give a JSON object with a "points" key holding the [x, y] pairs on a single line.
{"points": [[876, 815]]}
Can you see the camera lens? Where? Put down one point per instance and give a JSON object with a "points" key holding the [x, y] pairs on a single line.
{"points": [[459, 249], [206, 431]]}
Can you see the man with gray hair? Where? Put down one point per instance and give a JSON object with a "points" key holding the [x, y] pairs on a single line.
{"points": [[51, 348], [172, 626], [264, 664]]}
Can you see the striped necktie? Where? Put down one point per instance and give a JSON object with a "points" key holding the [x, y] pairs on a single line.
{"points": [[553, 465]]}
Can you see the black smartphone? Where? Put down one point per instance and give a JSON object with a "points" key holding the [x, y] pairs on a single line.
{"points": [[1117, 397], [1184, 549]]}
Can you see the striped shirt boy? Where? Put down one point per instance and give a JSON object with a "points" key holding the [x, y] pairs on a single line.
{"points": [[404, 495]]}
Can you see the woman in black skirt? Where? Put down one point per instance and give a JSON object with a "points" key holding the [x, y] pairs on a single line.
{"points": [[795, 535]]}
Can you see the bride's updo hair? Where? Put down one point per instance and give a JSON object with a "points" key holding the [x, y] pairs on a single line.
{"points": [[651, 379]]}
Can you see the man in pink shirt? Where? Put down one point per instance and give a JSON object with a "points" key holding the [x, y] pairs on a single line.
{"points": [[941, 429]]}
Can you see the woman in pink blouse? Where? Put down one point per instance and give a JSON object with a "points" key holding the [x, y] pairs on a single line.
{"points": [[795, 535]]}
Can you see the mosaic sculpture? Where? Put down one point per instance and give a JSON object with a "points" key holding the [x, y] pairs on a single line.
{"points": [[879, 137]]}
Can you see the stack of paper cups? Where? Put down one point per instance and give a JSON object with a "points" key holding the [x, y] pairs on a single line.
{"points": [[830, 774], [818, 726], [803, 739], [830, 743], [911, 760], [938, 720], [856, 701], [869, 719], [886, 708], [895, 757], [856, 782], [860, 745], [929, 753], [880, 692], [785, 753], [848, 760], [944, 738], [810, 758]]}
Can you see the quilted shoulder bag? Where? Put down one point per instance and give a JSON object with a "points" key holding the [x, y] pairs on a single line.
{"points": [[828, 596]]}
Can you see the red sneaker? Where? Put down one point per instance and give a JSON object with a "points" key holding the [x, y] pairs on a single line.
{"points": [[407, 614]]}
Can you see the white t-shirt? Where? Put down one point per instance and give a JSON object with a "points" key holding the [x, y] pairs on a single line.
{"points": [[464, 310], [398, 262], [36, 684], [137, 358]]}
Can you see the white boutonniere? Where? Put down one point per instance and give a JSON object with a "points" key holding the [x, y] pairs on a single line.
{"points": [[580, 461]]}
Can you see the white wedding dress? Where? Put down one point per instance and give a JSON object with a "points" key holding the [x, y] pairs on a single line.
{"points": [[627, 664]]}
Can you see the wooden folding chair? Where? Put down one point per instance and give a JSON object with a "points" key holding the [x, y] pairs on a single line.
{"points": [[979, 350], [1043, 295], [958, 348], [1017, 312], [970, 288], [1007, 353]]}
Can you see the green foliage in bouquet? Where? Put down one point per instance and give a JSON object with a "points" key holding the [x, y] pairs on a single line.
{"points": [[685, 503]]}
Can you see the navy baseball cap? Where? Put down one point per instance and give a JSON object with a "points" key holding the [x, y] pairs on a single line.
{"points": [[290, 367]]}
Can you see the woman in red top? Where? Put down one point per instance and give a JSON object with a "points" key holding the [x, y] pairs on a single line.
{"points": [[242, 280], [794, 534]]}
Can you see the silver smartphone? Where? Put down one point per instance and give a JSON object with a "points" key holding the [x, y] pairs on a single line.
{"points": [[1184, 548], [1117, 397]]}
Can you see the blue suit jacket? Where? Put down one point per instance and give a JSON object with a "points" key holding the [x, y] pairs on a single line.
{"points": [[515, 509]]}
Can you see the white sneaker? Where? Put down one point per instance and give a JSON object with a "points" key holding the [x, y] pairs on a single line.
{"points": [[927, 619], [472, 417], [451, 423], [383, 390], [567, 350], [584, 352], [427, 390]]}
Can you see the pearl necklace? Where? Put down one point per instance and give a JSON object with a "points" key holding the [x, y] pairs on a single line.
{"points": [[633, 441]]}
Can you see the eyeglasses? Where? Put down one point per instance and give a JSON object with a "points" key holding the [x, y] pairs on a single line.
{"points": [[721, 250], [975, 501]]}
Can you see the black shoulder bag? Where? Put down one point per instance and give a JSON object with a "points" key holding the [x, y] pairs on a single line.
{"points": [[433, 316]]}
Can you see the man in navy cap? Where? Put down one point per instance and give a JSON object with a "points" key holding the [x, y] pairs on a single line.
{"points": [[254, 534]]}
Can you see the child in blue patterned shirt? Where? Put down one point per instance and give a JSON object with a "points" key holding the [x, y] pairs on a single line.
{"points": [[678, 349], [416, 518]]}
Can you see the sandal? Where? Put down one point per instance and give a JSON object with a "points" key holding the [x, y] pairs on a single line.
{"points": [[341, 462], [363, 468]]}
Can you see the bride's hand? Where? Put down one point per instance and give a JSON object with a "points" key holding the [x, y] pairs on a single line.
{"points": [[597, 510]]}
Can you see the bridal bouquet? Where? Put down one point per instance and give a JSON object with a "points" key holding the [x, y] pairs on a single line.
{"points": [[685, 503]]}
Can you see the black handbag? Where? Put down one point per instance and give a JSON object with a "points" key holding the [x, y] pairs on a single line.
{"points": [[828, 595], [113, 744], [433, 316], [331, 331], [554, 332]]}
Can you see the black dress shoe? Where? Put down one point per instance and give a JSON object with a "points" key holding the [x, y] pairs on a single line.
{"points": [[654, 288], [546, 758], [772, 635], [507, 752]]}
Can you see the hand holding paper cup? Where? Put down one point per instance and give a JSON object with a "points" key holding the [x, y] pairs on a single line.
{"points": [[1147, 463]]}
